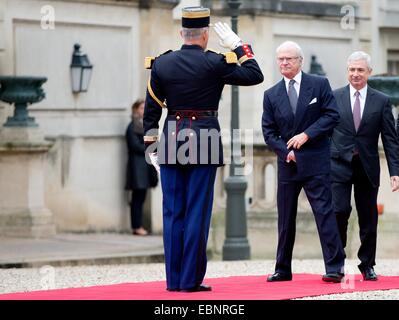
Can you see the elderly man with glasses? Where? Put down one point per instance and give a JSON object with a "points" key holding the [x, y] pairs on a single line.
{"points": [[299, 114]]}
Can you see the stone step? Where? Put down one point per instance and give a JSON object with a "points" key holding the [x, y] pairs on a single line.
{"points": [[80, 249]]}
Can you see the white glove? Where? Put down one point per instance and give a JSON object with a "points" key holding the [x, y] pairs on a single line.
{"points": [[154, 160], [228, 38]]}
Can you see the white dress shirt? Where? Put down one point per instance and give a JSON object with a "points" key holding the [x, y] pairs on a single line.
{"points": [[362, 98], [297, 84]]}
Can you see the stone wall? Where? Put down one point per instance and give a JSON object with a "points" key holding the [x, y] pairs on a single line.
{"points": [[85, 168], [86, 165]]}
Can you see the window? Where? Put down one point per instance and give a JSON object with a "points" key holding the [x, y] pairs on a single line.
{"points": [[393, 62]]}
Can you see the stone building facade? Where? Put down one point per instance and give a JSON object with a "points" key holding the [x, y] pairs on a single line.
{"points": [[84, 169]]}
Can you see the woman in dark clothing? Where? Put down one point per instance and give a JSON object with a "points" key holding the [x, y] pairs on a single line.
{"points": [[140, 175]]}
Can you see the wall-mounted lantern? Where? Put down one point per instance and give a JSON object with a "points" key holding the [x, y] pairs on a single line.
{"points": [[81, 70]]}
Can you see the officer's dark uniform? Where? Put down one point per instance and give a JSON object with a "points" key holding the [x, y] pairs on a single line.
{"points": [[189, 83]]}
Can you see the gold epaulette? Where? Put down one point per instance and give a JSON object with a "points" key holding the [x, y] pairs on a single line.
{"points": [[214, 51], [230, 57], [149, 61]]}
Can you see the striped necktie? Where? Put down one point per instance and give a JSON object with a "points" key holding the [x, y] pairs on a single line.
{"points": [[356, 111]]}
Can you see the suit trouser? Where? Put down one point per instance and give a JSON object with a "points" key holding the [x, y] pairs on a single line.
{"points": [[136, 207], [366, 205], [318, 192], [187, 208]]}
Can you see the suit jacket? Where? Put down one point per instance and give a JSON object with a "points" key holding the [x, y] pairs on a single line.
{"points": [[316, 115], [139, 174], [377, 119], [193, 79]]}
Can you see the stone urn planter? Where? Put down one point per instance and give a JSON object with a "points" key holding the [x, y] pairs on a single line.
{"points": [[21, 129], [390, 86], [21, 91], [23, 152], [387, 84]]}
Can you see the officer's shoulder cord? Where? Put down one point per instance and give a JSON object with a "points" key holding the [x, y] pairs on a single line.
{"points": [[149, 61], [230, 56]]}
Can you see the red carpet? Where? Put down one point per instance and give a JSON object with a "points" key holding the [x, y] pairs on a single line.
{"points": [[229, 288]]}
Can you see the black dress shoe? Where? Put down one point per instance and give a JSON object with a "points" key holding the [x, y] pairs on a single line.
{"points": [[173, 290], [335, 277], [201, 287], [277, 276], [369, 274]]}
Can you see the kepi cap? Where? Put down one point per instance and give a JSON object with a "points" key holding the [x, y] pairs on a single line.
{"points": [[195, 17]]}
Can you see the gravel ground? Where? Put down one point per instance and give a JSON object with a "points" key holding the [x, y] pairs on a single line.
{"points": [[24, 280]]}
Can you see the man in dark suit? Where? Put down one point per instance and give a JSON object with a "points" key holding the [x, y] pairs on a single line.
{"points": [[191, 81], [365, 113], [299, 114]]}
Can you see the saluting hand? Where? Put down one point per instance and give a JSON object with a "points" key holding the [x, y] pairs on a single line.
{"points": [[395, 183], [228, 38], [297, 141]]}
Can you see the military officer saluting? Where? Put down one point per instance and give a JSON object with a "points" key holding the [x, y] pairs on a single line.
{"points": [[189, 83]]}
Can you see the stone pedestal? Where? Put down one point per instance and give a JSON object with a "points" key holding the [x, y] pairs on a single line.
{"points": [[22, 209]]}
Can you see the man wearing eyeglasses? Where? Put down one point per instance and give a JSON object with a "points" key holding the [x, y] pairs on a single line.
{"points": [[299, 114]]}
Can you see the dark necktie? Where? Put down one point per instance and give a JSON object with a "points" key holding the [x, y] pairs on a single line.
{"points": [[356, 111], [292, 95]]}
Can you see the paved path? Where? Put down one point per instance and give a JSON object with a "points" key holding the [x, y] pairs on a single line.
{"points": [[80, 249], [76, 260]]}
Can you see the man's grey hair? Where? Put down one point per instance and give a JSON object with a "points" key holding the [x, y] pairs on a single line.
{"points": [[193, 33], [360, 55], [291, 45]]}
